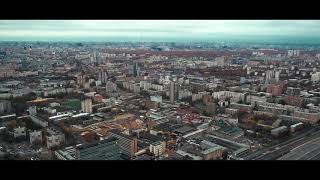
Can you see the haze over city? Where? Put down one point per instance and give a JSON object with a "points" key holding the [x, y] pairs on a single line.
{"points": [[271, 31]]}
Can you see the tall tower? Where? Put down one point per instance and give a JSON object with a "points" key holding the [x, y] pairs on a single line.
{"points": [[134, 69], [174, 91], [277, 76]]}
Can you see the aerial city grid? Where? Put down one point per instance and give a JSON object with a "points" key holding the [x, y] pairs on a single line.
{"points": [[159, 90]]}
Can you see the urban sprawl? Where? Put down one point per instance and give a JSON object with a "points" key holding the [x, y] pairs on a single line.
{"points": [[158, 101]]}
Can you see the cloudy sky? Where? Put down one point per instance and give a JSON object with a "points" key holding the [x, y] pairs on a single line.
{"points": [[148, 30]]}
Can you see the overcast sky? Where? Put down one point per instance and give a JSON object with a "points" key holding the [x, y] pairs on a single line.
{"points": [[155, 29]]}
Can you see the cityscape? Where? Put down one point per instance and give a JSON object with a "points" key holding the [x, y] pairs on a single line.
{"points": [[159, 90]]}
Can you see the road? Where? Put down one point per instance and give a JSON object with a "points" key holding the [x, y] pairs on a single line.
{"points": [[276, 151]]}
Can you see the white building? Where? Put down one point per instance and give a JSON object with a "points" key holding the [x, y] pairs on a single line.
{"points": [[147, 86], [315, 77], [157, 148], [19, 132], [269, 76], [234, 96]]}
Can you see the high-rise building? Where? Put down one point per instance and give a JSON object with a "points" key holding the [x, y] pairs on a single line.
{"points": [[103, 76], [277, 76], [174, 91], [107, 149], [81, 80], [134, 69], [128, 144], [86, 105], [269, 76]]}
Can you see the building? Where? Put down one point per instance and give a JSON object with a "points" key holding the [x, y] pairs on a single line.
{"points": [[32, 110], [233, 96], [35, 137], [293, 91], [103, 76], [55, 138], [156, 99], [203, 150], [5, 107], [276, 132], [307, 117], [111, 88], [157, 148], [213, 151], [199, 96], [174, 91], [315, 77], [184, 94], [68, 153], [128, 144], [19, 132], [134, 69], [292, 53], [294, 100], [277, 76], [131, 86], [107, 149], [86, 105], [270, 76], [275, 90]]}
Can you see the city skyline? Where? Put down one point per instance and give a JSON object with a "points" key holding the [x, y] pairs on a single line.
{"points": [[161, 30]]}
